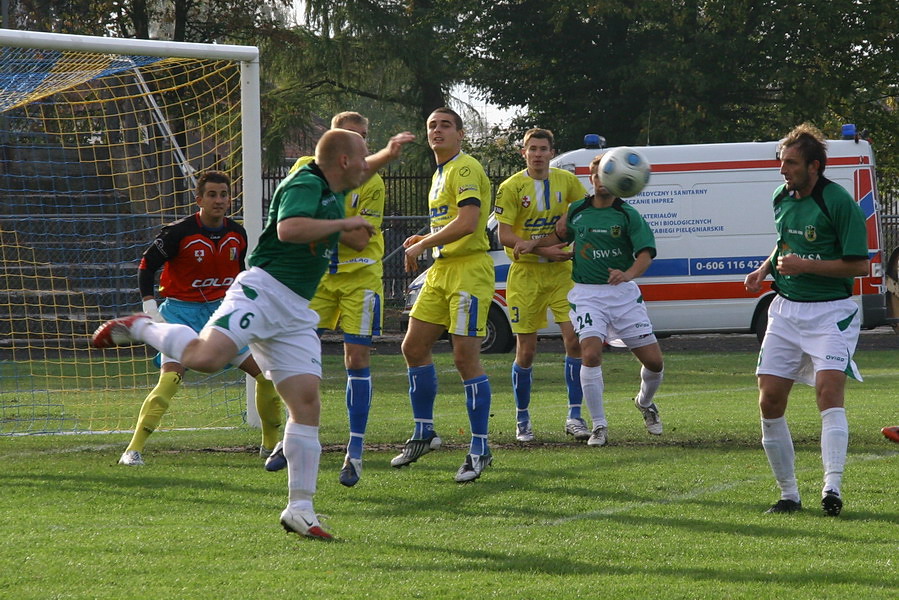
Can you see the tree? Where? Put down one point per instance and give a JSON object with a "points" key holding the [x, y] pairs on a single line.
{"points": [[399, 57], [176, 20], [685, 71], [417, 35]]}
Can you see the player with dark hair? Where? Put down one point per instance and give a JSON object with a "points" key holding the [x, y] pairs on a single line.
{"points": [[613, 245], [350, 296], [455, 296], [528, 206], [200, 256], [267, 306], [813, 323]]}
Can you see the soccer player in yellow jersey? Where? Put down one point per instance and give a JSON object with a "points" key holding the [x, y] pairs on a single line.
{"points": [[528, 206], [350, 296], [456, 294]]}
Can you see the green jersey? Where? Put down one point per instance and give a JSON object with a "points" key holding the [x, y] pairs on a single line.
{"points": [[303, 193], [366, 200], [826, 225], [606, 238]]}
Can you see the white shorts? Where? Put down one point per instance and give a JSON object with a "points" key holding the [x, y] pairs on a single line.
{"points": [[611, 312], [806, 337], [274, 321]]}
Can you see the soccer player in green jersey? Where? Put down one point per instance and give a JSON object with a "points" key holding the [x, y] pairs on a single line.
{"points": [[455, 296], [613, 245], [813, 323], [267, 307], [528, 206], [350, 296]]}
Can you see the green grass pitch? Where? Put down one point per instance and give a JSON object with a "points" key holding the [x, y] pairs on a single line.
{"points": [[680, 516]]}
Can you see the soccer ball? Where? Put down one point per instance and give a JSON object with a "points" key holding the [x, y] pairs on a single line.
{"points": [[624, 171]]}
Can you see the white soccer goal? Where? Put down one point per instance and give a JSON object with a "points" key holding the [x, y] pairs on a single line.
{"points": [[100, 140]]}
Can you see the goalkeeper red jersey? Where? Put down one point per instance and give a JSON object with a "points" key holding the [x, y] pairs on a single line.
{"points": [[198, 263]]}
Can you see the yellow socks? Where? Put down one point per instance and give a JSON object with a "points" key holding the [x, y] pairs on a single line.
{"points": [[271, 411], [155, 405]]}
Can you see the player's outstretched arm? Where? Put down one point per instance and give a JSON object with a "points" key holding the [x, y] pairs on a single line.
{"points": [[390, 152], [302, 230]]}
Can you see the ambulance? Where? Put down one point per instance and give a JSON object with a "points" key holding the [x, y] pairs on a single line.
{"points": [[710, 208]]}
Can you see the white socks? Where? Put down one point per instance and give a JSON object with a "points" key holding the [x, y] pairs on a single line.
{"points": [[834, 443], [302, 450], [169, 338], [593, 386], [649, 385], [778, 445]]}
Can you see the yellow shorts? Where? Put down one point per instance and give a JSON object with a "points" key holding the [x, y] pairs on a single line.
{"points": [[532, 288], [457, 294], [351, 300]]}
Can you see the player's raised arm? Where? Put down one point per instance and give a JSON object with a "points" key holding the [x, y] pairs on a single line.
{"points": [[390, 152]]}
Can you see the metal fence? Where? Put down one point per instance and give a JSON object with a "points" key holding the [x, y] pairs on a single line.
{"points": [[405, 214], [888, 189]]}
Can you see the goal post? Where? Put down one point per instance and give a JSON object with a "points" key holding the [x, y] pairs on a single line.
{"points": [[100, 141]]}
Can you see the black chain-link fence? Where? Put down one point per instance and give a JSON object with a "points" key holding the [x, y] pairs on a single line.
{"points": [[889, 213], [405, 214]]}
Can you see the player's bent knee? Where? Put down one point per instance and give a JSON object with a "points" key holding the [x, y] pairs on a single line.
{"points": [[414, 352], [654, 366]]}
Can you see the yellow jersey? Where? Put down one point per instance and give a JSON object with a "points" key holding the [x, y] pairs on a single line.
{"points": [[460, 178], [532, 207]]}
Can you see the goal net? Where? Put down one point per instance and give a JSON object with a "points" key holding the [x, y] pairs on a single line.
{"points": [[100, 144]]}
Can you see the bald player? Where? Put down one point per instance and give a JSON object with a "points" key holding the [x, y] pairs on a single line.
{"points": [[267, 307]]}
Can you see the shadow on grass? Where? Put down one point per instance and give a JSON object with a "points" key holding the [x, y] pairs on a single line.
{"points": [[537, 561]]}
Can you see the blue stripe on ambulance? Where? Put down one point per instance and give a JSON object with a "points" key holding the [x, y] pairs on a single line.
{"points": [[682, 267]]}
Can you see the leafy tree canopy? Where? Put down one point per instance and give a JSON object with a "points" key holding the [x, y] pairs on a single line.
{"points": [[690, 71]]}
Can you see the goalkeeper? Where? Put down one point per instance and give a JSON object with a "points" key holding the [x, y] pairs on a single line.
{"points": [[200, 256]]}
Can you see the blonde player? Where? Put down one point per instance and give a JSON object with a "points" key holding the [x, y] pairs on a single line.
{"points": [[350, 296], [528, 206]]}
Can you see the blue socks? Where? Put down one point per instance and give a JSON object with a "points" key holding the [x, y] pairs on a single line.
{"points": [[521, 388], [358, 405], [477, 400], [422, 392], [573, 381]]}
